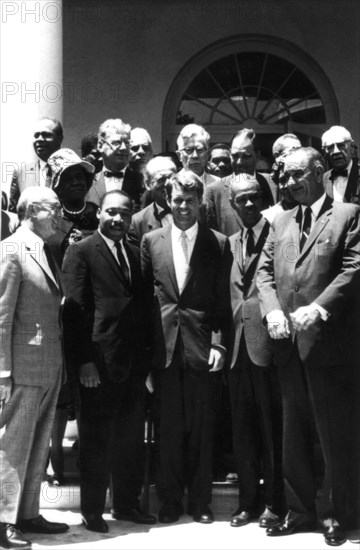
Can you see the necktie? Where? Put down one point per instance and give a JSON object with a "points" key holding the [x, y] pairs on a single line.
{"points": [[184, 246], [48, 174], [306, 227], [109, 174], [335, 173], [50, 260], [124, 266], [250, 244]]}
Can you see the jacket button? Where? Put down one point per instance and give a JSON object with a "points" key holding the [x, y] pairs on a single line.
{"points": [[175, 323], [296, 289]]}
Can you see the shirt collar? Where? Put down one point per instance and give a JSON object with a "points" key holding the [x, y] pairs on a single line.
{"points": [[190, 233], [123, 170], [315, 207], [109, 242], [257, 228]]}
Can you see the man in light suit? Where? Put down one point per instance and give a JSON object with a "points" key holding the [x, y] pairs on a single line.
{"points": [[188, 267], [253, 385], [48, 137], [108, 319], [114, 145], [31, 369], [308, 280], [342, 182]]}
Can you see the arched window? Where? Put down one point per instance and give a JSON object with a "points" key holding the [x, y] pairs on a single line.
{"points": [[258, 82]]}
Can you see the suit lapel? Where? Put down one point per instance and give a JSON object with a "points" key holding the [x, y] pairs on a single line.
{"points": [[319, 225], [109, 258], [40, 260], [352, 184], [166, 241]]}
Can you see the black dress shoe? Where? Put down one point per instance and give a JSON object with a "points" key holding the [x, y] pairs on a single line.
{"points": [[135, 515], [202, 514], [290, 527], [56, 480], [170, 512], [95, 523], [240, 518], [334, 535], [10, 537], [268, 518], [41, 525]]}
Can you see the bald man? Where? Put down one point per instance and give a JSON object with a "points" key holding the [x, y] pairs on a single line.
{"points": [[253, 387], [342, 182]]}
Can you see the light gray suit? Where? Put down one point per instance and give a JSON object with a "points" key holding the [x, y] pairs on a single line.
{"points": [[31, 351]]}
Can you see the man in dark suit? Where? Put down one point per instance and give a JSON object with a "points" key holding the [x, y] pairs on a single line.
{"points": [[308, 280], [48, 137], [188, 266], [342, 182], [114, 145], [253, 386], [31, 365], [108, 319], [217, 195], [156, 214]]}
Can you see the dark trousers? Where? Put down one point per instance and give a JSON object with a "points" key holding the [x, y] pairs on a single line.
{"points": [[111, 444], [257, 431], [183, 409], [316, 399]]}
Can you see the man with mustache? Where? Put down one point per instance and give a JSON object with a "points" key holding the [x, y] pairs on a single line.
{"points": [[107, 314], [48, 137], [342, 182]]}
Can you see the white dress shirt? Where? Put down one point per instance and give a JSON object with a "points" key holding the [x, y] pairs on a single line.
{"points": [[340, 183], [257, 229], [181, 265], [113, 182], [111, 245]]}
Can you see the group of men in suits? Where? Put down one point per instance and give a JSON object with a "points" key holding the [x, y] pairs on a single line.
{"points": [[274, 305]]}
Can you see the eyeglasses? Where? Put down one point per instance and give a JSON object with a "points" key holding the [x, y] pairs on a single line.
{"points": [[117, 143], [191, 150], [136, 148], [341, 146], [50, 207]]}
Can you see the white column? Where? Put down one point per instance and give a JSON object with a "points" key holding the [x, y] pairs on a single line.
{"points": [[31, 75]]}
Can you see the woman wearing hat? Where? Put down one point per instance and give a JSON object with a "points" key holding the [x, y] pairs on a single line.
{"points": [[71, 180]]}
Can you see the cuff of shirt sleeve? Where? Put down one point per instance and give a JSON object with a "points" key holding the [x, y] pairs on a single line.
{"points": [[5, 374], [323, 313], [219, 347]]}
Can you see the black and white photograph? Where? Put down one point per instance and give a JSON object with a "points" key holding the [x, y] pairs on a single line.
{"points": [[180, 274]]}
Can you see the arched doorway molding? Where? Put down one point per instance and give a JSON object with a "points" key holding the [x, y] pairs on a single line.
{"points": [[238, 45]]}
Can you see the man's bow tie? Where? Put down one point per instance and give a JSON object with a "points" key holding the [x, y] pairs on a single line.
{"points": [[337, 173], [109, 174]]}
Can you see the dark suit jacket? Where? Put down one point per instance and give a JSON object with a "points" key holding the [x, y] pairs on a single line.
{"points": [[352, 191], [327, 272], [201, 311], [106, 315], [28, 174], [132, 185], [142, 222], [217, 197], [246, 314]]}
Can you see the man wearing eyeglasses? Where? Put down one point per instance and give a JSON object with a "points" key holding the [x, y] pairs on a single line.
{"points": [[114, 145], [31, 366], [342, 182], [194, 150]]}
